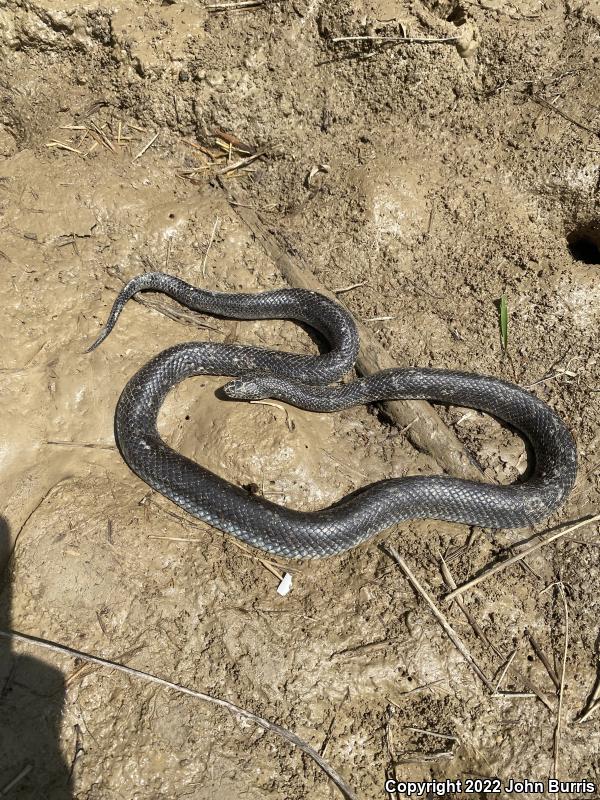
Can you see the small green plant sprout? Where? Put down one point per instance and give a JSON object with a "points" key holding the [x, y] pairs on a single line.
{"points": [[504, 322]]}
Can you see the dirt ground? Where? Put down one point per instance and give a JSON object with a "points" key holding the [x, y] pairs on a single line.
{"points": [[438, 176]]}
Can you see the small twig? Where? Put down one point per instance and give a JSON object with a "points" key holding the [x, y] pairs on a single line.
{"points": [[561, 689], [431, 733], [91, 149], [242, 162], [176, 538], [145, 147], [81, 444], [544, 659], [346, 466], [451, 584], [450, 632], [349, 288], [389, 740], [103, 136], [407, 427], [567, 372], [235, 6], [417, 758], [593, 701], [270, 566], [379, 319], [588, 711], [398, 39], [360, 649], [586, 544], [208, 246], [543, 102], [289, 421], [416, 689], [63, 146], [518, 557], [332, 723], [17, 779], [238, 711], [505, 669]]}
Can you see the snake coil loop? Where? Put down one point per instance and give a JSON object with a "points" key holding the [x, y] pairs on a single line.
{"points": [[302, 381]]}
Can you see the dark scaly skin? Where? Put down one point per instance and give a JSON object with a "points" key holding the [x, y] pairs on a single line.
{"points": [[268, 373]]}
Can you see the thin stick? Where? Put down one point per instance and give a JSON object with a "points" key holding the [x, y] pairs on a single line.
{"points": [[288, 420], [210, 241], [93, 146], [349, 288], [416, 689], [235, 6], [81, 444], [242, 162], [587, 544], [231, 707], [452, 635], [561, 690], [145, 147], [544, 659], [505, 668], [451, 584], [431, 733], [175, 538], [569, 373], [63, 146], [587, 713], [593, 701], [399, 39], [418, 758], [270, 566], [519, 556], [103, 136], [543, 102], [17, 779]]}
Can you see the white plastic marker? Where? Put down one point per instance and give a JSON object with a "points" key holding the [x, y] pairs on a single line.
{"points": [[285, 585]]}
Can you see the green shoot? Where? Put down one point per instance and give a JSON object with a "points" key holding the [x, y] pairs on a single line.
{"points": [[504, 322]]}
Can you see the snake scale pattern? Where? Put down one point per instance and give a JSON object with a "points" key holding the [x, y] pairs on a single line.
{"points": [[302, 380]]}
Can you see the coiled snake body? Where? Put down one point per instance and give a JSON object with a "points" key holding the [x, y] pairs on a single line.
{"points": [[301, 380]]}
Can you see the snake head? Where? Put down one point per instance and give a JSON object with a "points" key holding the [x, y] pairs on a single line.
{"points": [[248, 389]]}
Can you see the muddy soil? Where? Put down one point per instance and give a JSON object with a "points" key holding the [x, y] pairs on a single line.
{"points": [[433, 178]]}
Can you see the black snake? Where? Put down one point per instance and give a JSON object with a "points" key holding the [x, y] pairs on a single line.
{"points": [[301, 380]]}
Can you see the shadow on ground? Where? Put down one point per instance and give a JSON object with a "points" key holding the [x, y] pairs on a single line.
{"points": [[31, 704]]}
